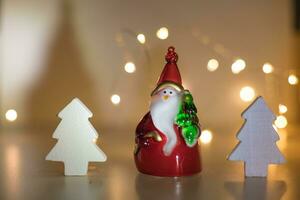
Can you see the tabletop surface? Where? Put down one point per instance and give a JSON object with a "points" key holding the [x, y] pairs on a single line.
{"points": [[24, 173]]}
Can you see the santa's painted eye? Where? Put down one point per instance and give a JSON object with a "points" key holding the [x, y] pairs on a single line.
{"points": [[171, 92], [165, 92]]}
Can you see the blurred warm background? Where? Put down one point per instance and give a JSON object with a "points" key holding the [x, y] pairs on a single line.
{"points": [[110, 55], [55, 50]]}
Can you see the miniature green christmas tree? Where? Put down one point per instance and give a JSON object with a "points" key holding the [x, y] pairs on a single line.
{"points": [[187, 119]]}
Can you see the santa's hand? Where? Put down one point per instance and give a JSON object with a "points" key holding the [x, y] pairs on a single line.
{"points": [[144, 140], [154, 135]]}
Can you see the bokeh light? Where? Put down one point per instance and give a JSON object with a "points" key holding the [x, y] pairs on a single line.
{"points": [[129, 67], [115, 99], [293, 79], [11, 115], [206, 136], [267, 68], [212, 65], [141, 38], [247, 93], [281, 121], [238, 66], [162, 33], [282, 108]]}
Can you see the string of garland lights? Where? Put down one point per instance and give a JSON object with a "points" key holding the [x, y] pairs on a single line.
{"points": [[246, 93]]}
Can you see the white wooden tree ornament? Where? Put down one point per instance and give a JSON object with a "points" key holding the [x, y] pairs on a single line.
{"points": [[76, 135], [257, 146]]}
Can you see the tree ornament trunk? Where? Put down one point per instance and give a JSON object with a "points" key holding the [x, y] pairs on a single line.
{"points": [[256, 169], [76, 168]]}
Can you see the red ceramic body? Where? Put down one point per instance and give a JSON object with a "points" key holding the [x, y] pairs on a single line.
{"points": [[150, 159]]}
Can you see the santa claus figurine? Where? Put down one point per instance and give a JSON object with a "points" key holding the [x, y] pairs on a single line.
{"points": [[167, 136]]}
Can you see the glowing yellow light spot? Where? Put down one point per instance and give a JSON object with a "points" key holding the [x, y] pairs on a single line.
{"points": [[11, 115], [115, 99], [129, 67], [206, 136], [162, 33], [95, 140], [238, 66], [141, 38], [267, 68], [281, 121], [247, 93], [282, 109], [293, 79], [212, 65]]}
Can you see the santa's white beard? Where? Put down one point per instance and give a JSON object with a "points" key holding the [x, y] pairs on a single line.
{"points": [[163, 115]]}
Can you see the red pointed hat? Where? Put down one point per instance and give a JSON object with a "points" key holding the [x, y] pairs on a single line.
{"points": [[170, 76]]}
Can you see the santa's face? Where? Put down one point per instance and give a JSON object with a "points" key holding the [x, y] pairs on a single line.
{"points": [[166, 96], [164, 108]]}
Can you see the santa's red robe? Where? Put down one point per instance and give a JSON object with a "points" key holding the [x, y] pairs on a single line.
{"points": [[149, 156]]}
